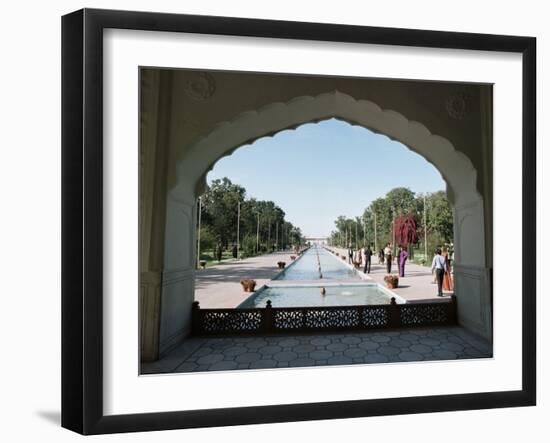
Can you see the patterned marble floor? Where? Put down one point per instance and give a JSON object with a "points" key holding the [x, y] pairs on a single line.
{"points": [[222, 354]]}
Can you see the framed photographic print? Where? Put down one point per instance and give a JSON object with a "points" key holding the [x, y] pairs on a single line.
{"points": [[269, 221]]}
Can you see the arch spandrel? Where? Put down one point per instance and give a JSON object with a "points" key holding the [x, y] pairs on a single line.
{"points": [[247, 127], [193, 162]]}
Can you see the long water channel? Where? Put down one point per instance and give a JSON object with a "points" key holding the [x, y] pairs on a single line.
{"points": [[318, 278]]}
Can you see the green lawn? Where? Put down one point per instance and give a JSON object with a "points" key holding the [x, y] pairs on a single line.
{"points": [[419, 257], [227, 257], [211, 260]]}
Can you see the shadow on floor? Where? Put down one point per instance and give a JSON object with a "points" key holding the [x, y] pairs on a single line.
{"points": [[53, 417]]}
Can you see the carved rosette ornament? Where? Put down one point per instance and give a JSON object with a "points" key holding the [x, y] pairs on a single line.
{"points": [[201, 86], [457, 105]]}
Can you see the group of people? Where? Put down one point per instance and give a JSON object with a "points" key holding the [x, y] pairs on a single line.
{"points": [[441, 269], [362, 257], [386, 256], [441, 263]]}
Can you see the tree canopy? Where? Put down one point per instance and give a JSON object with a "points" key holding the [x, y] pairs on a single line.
{"points": [[262, 223], [407, 210]]}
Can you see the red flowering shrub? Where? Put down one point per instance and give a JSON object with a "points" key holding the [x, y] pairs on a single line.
{"points": [[406, 230]]}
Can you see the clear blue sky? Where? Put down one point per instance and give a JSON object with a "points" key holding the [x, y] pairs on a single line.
{"points": [[322, 170]]}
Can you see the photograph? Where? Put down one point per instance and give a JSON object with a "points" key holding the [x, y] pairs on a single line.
{"points": [[274, 221], [291, 220]]}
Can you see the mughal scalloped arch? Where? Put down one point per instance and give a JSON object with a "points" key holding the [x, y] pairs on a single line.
{"points": [[247, 127]]}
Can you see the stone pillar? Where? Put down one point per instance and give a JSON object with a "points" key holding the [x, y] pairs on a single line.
{"points": [[149, 310], [471, 275], [154, 118], [178, 282], [473, 223]]}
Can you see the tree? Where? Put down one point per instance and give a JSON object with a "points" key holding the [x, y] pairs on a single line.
{"points": [[406, 208], [259, 220], [220, 203], [384, 218], [346, 232], [406, 230], [248, 245], [208, 240], [219, 252], [401, 201], [440, 216]]}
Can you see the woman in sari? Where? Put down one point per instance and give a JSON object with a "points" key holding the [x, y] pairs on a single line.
{"points": [[403, 255], [447, 279]]}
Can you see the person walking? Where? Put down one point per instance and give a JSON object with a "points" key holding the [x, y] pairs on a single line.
{"points": [[388, 257], [368, 254], [439, 266], [381, 257], [447, 279], [350, 254], [403, 255]]}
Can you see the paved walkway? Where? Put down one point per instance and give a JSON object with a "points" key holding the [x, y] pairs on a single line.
{"points": [[219, 286], [416, 286], [404, 345]]}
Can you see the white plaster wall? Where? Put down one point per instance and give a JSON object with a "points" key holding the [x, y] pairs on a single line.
{"points": [[471, 276], [178, 276]]}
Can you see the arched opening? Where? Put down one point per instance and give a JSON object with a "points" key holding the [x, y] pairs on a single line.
{"points": [[455, 167], [329, 181], [193, 163]]}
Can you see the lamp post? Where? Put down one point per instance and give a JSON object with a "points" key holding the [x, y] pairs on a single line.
{"points": [[375, 235], [425, 233], [258, 235], [199, 235], [347, 237], [393, 231], [269, 235], [238, 230]]}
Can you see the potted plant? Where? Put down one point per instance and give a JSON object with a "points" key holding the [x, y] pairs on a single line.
{"points": [[391, 281], [248, 284], [281, 264], [203, 264], [293, 257]]}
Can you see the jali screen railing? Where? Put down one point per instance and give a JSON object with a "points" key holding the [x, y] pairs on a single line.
{"points": [[270, 320]]}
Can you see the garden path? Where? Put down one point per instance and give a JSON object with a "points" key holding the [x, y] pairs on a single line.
{"points": [[414, 287]]}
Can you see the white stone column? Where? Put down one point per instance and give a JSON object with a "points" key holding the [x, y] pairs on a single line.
{"points": [[178, 278], [471, 276], [154, 118]]}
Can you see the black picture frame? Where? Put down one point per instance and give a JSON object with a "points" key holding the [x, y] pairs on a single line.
{"points": [[82, 215]]}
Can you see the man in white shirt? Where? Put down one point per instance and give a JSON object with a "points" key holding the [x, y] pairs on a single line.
{"points": [[439, 265]]}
